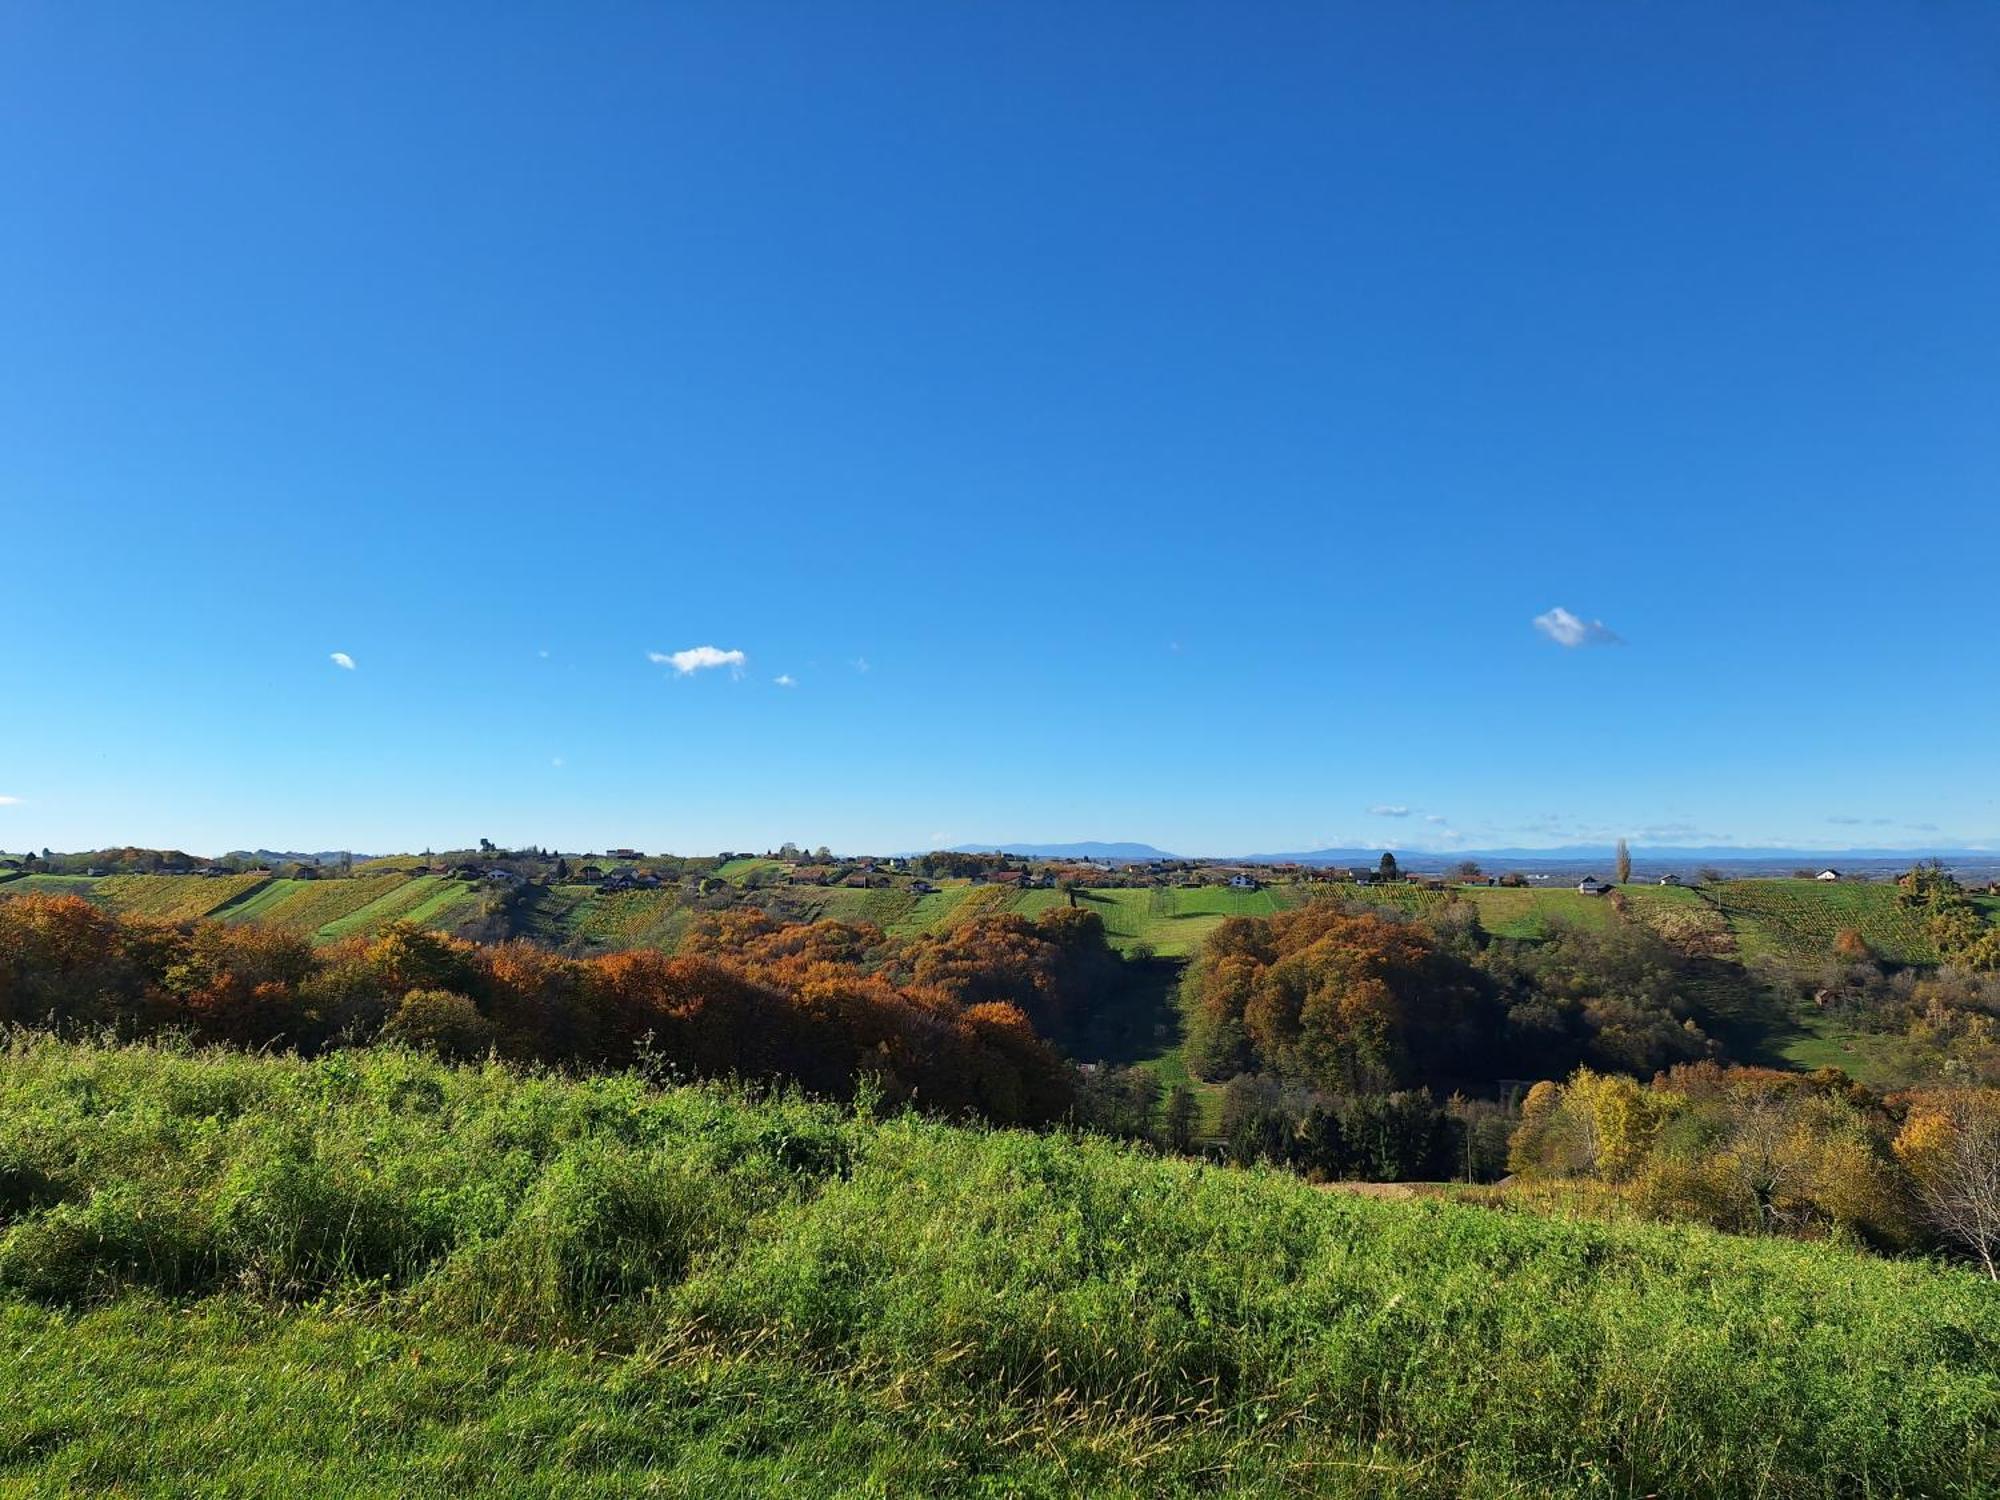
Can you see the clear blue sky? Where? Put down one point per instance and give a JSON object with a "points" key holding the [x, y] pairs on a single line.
{"points": [[1137, 421]]}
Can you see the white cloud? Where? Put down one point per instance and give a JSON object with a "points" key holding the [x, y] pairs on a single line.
{"points": [[1386, 810], [10, 801], [556, 761], [342, 660], [785, 679], [1566, 629], [1434, 817], [860, 663], [698, 659]]}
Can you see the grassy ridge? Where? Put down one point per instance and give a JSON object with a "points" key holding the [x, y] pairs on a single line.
{"points": [[375, 1275]]}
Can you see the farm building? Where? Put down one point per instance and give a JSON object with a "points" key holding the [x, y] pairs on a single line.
{"points": [[1827, 875], [1242, 882], [1670, 879], [1590, 885]]}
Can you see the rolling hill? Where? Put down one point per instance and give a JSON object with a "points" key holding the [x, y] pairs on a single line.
{"points": [[377, 1275]]}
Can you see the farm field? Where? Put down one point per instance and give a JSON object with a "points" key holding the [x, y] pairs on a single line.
{"points": [[328, 909], [1800, 919], [378, 1275], [593, 919], [736, 871], [1789, 918], [174, 898]]}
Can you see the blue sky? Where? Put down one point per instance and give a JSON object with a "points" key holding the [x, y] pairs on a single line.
{"points": [[1161, 422]]}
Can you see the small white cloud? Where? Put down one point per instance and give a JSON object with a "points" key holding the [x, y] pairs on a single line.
{"points": [[543, 655], [1434, 817], [10, 801], [556, 761], [785, 679], [1568, 630], [697, 659], [861, 664], [342, 660], [1388, 810]]}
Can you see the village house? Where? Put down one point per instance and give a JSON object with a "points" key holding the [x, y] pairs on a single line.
{"points": [[1590, 885], [1243, 882], [1828, 875]]}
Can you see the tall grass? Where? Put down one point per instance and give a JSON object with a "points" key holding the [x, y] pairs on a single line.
{"points": [[375, 1274]]}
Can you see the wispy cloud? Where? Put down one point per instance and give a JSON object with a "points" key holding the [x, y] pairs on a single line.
{"points": [[697, 659], [10, 801], [1435, 818], [342, 660], [1389, 810], [785, 679], [861, 664], [1569, 630]]}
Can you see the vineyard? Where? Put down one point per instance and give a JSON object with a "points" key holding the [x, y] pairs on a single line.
{"points": [[1800, 919], [174, 899], [1791, 919]]}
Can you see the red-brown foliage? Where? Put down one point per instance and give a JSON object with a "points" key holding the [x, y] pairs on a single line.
{"points": [[943, 1022]]}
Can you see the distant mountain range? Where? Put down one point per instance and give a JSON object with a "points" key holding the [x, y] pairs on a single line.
{"points": [[1085, 850], [294, 857], [1568, 854], [1565, 855]]}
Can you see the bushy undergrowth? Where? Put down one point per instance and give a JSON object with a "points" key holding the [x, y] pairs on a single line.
{"points": [[373, 1273]]}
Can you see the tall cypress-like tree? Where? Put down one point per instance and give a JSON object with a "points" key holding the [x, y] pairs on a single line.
{"points": [[1624, 857]]}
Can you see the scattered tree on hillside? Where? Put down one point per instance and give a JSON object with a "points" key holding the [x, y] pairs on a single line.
{"points": [[1951, 1145], [1622, 857], [1183, 1112]]}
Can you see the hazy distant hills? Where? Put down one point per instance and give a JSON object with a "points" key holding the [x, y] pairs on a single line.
{"points": [[1564, 857], [1569, 853], [1088, 849], [296, 857]]}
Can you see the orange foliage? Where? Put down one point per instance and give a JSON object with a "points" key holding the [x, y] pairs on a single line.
{"points": [[944, 1021]]}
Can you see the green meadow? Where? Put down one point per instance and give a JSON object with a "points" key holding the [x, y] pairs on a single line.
{"points": [[375, 1275]]}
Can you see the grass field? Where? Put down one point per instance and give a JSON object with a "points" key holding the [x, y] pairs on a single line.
{"points": [[1172, 921], [737, 871], [371, 1275]]}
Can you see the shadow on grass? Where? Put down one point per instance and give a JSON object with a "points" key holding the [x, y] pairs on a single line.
{"points": [[1137, 1020]]}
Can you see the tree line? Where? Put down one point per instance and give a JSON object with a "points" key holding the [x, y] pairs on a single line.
{"points": [[955, 1023]]}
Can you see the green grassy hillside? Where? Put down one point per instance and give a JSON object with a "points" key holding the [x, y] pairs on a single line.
{"points": [[1801, 918], [372, 1275], [1795, 919]]}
